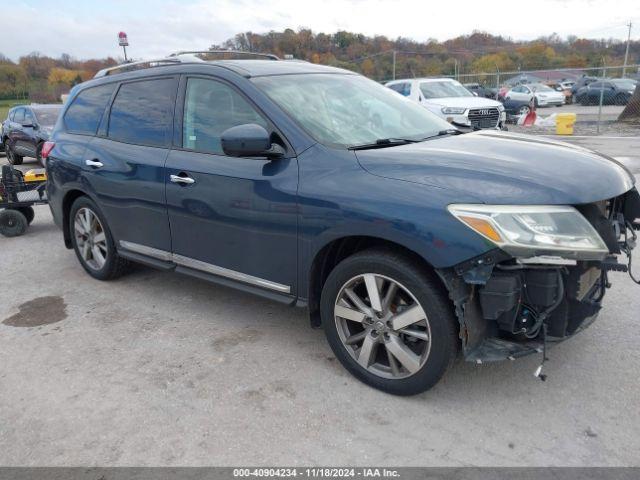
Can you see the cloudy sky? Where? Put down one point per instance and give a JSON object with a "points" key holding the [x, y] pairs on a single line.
{"points": [[89, 28]]}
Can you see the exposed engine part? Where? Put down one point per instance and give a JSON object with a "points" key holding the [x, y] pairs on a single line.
{"points": [[510, 307]]}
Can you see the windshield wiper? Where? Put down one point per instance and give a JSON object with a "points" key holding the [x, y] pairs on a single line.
{"points": [[442, 133], [384, 142]]}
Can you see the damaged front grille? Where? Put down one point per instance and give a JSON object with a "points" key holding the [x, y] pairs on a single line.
{"points": [[508, 307]]}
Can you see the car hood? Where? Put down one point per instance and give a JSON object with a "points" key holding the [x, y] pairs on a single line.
{"points": [[503, 168], [466, 102]]}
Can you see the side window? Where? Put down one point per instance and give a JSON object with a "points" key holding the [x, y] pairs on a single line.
{"points": [[142, 112], [84, 114], [401, 88], [210, 107], [11, 115], [18, 116], [28, 117]]}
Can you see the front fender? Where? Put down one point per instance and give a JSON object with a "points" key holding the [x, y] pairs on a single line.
{"points": [[338, 198]]}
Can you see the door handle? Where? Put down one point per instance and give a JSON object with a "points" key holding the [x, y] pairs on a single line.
{"points": [[93, 163], [180, 179]]}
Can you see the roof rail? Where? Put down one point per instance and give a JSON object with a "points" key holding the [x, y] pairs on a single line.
{"points": [[131, 66], [270, 56], [175, 58]]}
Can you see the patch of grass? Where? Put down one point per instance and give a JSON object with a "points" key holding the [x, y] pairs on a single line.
{"points": [[5, 105]]}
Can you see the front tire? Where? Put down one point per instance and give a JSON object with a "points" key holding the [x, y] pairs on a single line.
{"points": [[389, 322], [93, 242], [12, 157]]}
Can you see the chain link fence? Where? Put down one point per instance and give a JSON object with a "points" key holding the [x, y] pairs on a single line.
{"points": [[605, 100]]}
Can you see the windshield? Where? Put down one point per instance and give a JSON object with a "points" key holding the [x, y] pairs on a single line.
{"points": [[47, 116], [444, 89], [539, 87], [349, 110], [626, 84]]}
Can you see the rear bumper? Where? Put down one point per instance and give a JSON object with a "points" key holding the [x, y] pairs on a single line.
{"points": [[551, 103]]}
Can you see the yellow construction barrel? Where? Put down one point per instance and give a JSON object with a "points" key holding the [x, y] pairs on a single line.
{"points": [[564, 123]]}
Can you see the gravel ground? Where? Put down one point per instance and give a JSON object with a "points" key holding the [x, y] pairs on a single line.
{"points": [[162, 369]]}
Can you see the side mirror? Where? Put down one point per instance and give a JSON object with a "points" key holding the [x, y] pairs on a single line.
{"points": [[249, 140]]}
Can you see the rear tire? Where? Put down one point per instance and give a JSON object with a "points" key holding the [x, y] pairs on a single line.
{"points": [[524, 110], [28, 213], [13, 223], [39, 156], [93, 242], [397, 359]]}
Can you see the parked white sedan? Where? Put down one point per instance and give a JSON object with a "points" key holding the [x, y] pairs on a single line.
{"points": [[545, 96], [448, 99]]}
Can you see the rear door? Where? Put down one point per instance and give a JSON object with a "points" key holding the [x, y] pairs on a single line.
{"points": [[125, 163], [236, 217]]}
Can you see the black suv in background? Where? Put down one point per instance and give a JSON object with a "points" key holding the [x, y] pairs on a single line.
{"points": [[26, 129]]}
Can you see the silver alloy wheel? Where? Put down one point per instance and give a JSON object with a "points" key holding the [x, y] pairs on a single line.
{"points": [[90, 238], [524, 110], [382, 326]]}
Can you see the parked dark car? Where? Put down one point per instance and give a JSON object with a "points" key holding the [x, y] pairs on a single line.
{"points": [[582, 82], [615, 91], [515, 108], [314, 186], [481, 90], [26, 129]]}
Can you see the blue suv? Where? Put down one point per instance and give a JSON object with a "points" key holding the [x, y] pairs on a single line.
{"points": [[407, 240]]}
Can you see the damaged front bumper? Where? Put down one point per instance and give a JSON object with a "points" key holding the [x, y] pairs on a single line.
{"points": [[510, 307]]}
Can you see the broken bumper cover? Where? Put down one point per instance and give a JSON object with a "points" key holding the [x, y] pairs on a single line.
{"points": [[511, 307]]}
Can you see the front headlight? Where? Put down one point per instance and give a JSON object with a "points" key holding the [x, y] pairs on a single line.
{"points": [[501, 108], [453, 110], [534, 230]]}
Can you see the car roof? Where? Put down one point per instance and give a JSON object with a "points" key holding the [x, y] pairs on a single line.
{"points": [[246, 68], [421, 80], [43, 106], [262, 68]]}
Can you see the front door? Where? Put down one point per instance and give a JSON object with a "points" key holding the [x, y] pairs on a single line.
{"points": [[231, 217]]}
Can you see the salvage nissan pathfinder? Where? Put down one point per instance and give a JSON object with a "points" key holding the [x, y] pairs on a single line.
{"points": [[406, 239]]}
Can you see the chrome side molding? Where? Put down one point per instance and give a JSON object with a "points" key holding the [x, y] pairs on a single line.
{"points": [[203, 266]]}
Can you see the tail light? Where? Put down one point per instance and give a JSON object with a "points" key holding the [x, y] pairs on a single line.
{"points": [[46, 149]]}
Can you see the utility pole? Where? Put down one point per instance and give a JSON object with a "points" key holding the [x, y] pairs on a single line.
{"points": [[626, 53], [394, 65]]}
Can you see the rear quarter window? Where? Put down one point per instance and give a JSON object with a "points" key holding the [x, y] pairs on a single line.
{"points": [[84, 114]]}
